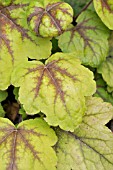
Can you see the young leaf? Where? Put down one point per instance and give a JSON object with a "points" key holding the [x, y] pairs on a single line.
{"points": [[28, 146], [88, 39], [56, 88], [50, 20], [104, 9], [16, 42], [91, 145], [106, 69]]}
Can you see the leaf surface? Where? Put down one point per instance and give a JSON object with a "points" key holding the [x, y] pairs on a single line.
{"points": [[88, 39], [56, 88], [104, 9], [28, 146], [106, 69], [91, 145], [17, 43]]}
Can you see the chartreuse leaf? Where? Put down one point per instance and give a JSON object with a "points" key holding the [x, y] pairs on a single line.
{"points": [[105, 11], [16, 42], [88, 39], [106, 69], [56, 88], [89, 147], [28, 146]]}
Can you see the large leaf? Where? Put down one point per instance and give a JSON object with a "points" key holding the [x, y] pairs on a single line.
{"points": [[17, 43], [104, 9], [28, 146], [56, 88], [90, 147], [106, 69], [88, 39]]}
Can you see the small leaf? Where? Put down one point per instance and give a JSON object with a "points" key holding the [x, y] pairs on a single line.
{"points": [[88, 39], [3, 95], [28, 146], [17, 43], [102, 90], [106, 69], [57, 89], [111, 44], [50, 20], [91, 145], [104, 9]]}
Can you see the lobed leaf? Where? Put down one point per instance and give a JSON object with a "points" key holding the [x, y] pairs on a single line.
{"points": [[28, 146], [89, 39], [90, 146], [56, 88], [17, 43], [104, 9]]}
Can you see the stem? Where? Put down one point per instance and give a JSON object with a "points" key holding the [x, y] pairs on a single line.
{"points": [[84, 8]]}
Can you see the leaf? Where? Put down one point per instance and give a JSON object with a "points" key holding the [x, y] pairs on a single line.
{"points": [[106, 69], [2, 112], [91, 145], [111, 44], [88, 39], [77, 5], [105, 11], [57, 89], [17, 43], [28, 146], [3, 95], [102, 90]]}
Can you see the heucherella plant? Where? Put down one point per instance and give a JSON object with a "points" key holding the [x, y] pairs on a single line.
{"points": [[56, 88]]}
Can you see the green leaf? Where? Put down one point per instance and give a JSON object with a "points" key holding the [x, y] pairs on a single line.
{"points": [[102, 90], [91, 145], [3, 95], [77, 5], [28, 146], [88, 39], [17, 43], [111, 44], [106, 69], [57, 89], [105, 11]]}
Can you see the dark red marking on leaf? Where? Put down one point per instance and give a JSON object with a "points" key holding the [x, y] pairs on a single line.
{"points": [[29, 146], [82, 29], [13, 156], [105, 4], [50, 70], [6, 19], [31, 131], [13, 137], [50, 11], [3, 36]]}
